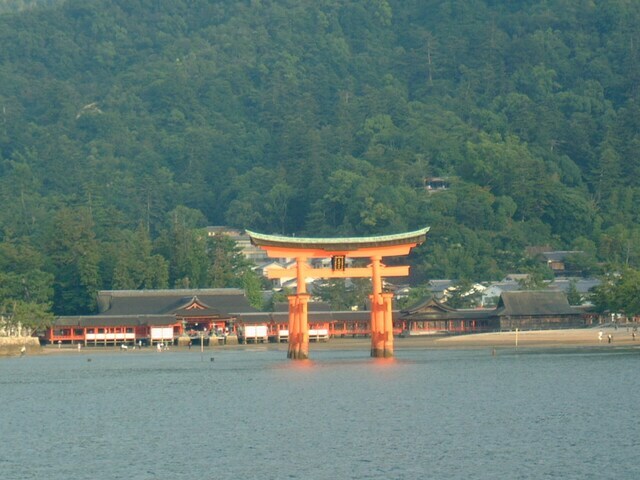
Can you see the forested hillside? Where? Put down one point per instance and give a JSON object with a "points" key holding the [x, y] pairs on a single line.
{"points": [[19, 5], [126, 125]]}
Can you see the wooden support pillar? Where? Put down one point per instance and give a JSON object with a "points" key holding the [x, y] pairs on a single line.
{"points": [[377, 310], [298, 315], [303, 348], [298, 327], [293, 325], [377, 327], [388, 324]]}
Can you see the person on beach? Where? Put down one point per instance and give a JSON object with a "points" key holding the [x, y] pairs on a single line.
{"points": [[600, 336], [609, 338]]}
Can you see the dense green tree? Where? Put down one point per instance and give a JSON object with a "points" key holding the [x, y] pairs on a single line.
{"points": [[228, 267], [416, 294], [277, 297], [26, 291], [74, 253], [30, 315], [463, 295], [252, 286], [22, 275], [19, 191], [185, 245], [344, 294], [573, 296], [619, 292], [314, 118], [538, 275], [137, 267]]}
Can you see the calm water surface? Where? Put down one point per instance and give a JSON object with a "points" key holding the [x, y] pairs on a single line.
{"points": [[566, 414]]}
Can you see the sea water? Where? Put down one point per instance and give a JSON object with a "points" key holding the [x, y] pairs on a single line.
{"points": [[251, 413]]}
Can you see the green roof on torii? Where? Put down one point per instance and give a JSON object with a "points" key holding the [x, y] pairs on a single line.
{"points": [[339, 243]]}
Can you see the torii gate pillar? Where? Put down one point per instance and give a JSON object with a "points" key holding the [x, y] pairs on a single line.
{"points": [[298, 316], [381, 315], [298, 327], [374, 248]]}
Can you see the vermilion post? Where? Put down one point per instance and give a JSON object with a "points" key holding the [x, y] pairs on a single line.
{"points": [[377, 310], [293, 333], [388, 324], [303, 346], [298, 321]]}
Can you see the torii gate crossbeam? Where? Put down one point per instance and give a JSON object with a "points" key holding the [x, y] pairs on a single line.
{"points": [[374, 248]]}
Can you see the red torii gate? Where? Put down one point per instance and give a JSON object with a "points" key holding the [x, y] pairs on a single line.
{"points": [[339, 249]]}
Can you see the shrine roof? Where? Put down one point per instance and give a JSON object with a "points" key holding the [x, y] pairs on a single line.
{"points": [[531, 302], [222, 301], [340, 243], [115, 321]]}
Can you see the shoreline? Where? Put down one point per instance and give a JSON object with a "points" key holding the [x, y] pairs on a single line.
{"points": [[623, 336], [17, 346]]}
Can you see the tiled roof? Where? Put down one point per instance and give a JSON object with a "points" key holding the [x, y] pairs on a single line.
{"points": [[439, 286], [197, 308], [583, 285], [432, 309], [147, 302], [115, 320], [344, 243], [560, 255], [534, 303], [430, 304]]}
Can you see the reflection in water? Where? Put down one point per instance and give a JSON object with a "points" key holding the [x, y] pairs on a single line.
{"points": [[255, 414]]}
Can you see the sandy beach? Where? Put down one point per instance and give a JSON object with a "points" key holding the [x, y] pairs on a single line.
{"points": [[545, 338], [586, 337]]}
